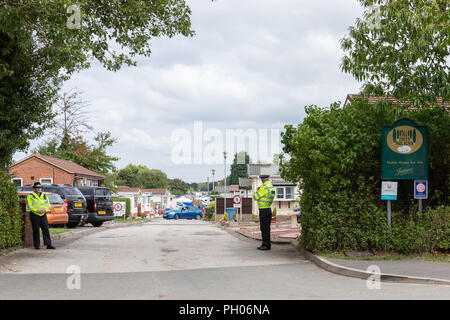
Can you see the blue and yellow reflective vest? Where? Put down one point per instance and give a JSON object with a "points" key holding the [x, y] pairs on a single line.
{"points": [[36, 203], [264, 195]]}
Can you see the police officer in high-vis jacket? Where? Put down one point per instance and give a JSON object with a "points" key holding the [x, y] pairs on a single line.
{"points": [[39, 204], [264, 197]]}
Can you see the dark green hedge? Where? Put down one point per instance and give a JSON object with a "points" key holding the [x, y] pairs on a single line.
{"points": [[128, 208], [11, 218], [335, 155]]}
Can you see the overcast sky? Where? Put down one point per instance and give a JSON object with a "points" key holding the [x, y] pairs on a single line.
{"points": [[252, 64]]}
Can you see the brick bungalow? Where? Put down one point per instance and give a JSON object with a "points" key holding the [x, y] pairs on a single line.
{"points": [[48, 170]]}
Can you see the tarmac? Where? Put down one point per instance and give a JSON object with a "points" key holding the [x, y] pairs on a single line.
{"points": [[410, 271]]}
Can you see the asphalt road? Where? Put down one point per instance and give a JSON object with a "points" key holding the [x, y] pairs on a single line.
{"points": [[181, 260]]}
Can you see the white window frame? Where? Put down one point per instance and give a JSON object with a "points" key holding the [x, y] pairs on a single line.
{"points": [[284, 193], [51, 180], [21, 180]]}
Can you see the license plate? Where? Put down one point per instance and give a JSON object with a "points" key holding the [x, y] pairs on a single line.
{"points": [[77, 204], [58, 210], [102, 212]]}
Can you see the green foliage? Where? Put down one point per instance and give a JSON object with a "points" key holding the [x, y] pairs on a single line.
{"points": [[93, 157], [39, 52], [11, 217], [335, 155], [128, 203], [140, 176], [178, 187], [238, 167], [209, 212], [402, 51]]}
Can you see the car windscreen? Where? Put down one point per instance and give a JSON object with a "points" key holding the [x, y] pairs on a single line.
{"points": [[55, 199], [87, 191], [69, 191]]}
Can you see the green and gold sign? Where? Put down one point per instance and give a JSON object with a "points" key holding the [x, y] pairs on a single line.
{"points": [[404, 151]]}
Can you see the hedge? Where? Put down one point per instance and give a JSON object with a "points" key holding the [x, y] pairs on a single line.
{"points": [[11, 217], [335, 155]]}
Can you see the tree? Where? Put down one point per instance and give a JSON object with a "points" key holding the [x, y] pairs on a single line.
{"points": [[93, 157], [71, 115], [401, 48], [41, 47], [140, 176], [178, 187], [238, 167]]}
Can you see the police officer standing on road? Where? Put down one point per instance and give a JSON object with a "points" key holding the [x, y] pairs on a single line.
{"points": [[39, 204], [264, 197]]}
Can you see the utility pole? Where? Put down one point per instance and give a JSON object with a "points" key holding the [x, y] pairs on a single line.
{"points": [[225, 182], [213, 172], [207, 182]]}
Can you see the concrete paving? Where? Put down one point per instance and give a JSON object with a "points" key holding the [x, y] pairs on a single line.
{"points": [[182, 260]]}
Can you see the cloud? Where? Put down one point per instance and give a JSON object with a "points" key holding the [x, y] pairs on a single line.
{"points": [[252, 64]]}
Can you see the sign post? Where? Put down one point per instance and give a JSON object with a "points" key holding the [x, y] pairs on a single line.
{"points": [[389, 192], [237, 203], [404, 156], [420, 191]]}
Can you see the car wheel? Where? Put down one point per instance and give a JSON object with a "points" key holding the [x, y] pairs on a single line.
{"points": [[97, 224], [72, 225], [198, 217], [176, 217]]}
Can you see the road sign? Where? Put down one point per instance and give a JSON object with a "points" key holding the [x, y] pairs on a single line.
{"points": [[420, 189], [237, 201], [119, 208], [389, 190]]}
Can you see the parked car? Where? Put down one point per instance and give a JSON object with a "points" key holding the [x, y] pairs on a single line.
{"points": [[58, 211], [185, 212], [73, 199], [99, 204]]}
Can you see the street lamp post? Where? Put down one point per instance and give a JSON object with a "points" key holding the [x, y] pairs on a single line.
{"points": [[207, 182], [225, 182], [213, 172]]}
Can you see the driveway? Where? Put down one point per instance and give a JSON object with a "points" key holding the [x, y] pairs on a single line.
{"points": [[184, 259]]}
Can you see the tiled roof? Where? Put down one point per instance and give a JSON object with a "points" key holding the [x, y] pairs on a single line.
{"points": [[127, 189], [155, 191], [65, 165], [373, 99], [234, 187]]}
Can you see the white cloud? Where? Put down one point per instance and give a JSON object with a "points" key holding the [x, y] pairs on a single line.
{"points": [[252, 64]]}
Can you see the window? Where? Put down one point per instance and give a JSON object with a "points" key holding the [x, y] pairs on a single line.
{"points": [[46, 180], [284, 193], [17, 181], [279, 193], [290, 193]]}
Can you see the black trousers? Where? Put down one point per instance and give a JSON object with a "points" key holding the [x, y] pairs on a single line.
{"points": [[265, 216], [38, 222]]}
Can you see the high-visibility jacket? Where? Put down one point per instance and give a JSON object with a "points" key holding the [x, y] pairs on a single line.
{"points": [[264, 195], [36, 202]]}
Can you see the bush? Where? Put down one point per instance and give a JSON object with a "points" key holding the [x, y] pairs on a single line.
{"points": [[335, 155], [11, 217], [128, 208], [209, 212]]}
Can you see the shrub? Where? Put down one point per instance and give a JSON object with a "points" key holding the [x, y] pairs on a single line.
{"points": [[209, 212], [11, 217], [335, 155]]}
